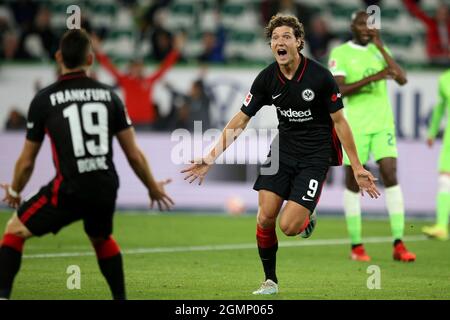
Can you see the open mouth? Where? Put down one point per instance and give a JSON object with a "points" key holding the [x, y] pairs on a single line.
{"points": [[282, 53]]}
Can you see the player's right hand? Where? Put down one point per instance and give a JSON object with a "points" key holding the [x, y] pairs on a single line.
{"points": [[430, 142], [366, 182], [198, 169], [12, 201], [159, 196]]}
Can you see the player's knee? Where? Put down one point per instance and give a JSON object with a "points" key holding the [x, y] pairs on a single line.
{"points": [[389, 178], [289, 229], [388, 172], [264, 219], [17, 228]]}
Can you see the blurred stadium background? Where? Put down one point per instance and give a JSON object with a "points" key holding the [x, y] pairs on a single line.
{"points": [[225, 49]]}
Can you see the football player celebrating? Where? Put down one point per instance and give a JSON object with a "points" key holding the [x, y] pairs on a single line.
{"points": [[311, 129]]}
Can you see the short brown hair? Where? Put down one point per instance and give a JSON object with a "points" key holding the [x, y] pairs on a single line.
{"points": [[280, 20], [75, 45]]}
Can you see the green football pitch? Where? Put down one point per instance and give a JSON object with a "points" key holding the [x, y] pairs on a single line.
{"points": [[197, 256]]}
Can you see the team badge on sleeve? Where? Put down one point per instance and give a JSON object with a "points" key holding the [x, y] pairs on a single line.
{"points": [[335, 96], [247, 99], [332, 63]]}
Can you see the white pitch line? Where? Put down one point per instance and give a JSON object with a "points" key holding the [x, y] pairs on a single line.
{"points": [[297, 243]]}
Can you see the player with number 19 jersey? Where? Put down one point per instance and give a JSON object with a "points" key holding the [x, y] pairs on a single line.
{"points": [[80, 116]]}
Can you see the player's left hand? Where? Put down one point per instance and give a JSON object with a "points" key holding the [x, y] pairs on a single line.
{"points": [[430, 142], [160, 196], [11, 200], [198, 169], [366, 182]]}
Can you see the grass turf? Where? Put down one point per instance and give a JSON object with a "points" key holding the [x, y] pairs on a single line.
{"points": [[304, 272]]}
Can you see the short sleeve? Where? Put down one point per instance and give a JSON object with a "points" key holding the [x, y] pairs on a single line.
{"points": [[256, 98], [121, 119], [336, 64], [331, 95], [36, 121]]}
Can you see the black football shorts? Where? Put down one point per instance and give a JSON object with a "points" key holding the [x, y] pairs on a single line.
{"points": [[302, 184], [44, 213]]}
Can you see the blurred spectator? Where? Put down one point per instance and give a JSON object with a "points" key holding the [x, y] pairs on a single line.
{"points": [[372, 2], [137, 88], [170, 121], [213, 41], [8, 38], [318, 38], [86, 25], [152, 27], [196, 107], [128, 3], [10, 46], [270, 8], [5, 20], [438, 31], [150, 15], [39, 41], [24, 12], [16, 121], [161, 38], [213, 45]]}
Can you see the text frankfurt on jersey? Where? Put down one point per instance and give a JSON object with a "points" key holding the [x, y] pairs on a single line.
{"points": [[75, 95], [296, 116]]}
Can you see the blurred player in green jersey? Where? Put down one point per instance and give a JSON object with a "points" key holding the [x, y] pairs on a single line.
{"points": [[440, 230], [361, 67]]}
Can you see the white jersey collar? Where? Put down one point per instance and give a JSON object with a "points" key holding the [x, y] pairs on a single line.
{"points": [[357, 46]]}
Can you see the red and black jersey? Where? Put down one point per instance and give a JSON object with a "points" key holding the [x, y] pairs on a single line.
{"points": [[80, 116], [303, 104]]}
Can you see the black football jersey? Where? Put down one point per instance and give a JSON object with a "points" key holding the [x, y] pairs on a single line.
{"points": [[80, 116], [303, 105]]}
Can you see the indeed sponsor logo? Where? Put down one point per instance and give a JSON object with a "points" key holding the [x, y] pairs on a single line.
{"points": [[302, 115]]}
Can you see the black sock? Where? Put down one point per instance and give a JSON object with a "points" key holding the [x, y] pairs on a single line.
{"points": [[10, 260], [356, 245], [397, 241], [112, 270], [269, 260]]}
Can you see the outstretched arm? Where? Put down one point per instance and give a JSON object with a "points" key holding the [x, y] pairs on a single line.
{"points": [[364, 178], [415, 10], [169, 61], [22, 173], [230, 133], [103, 59], [141, 168]]}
